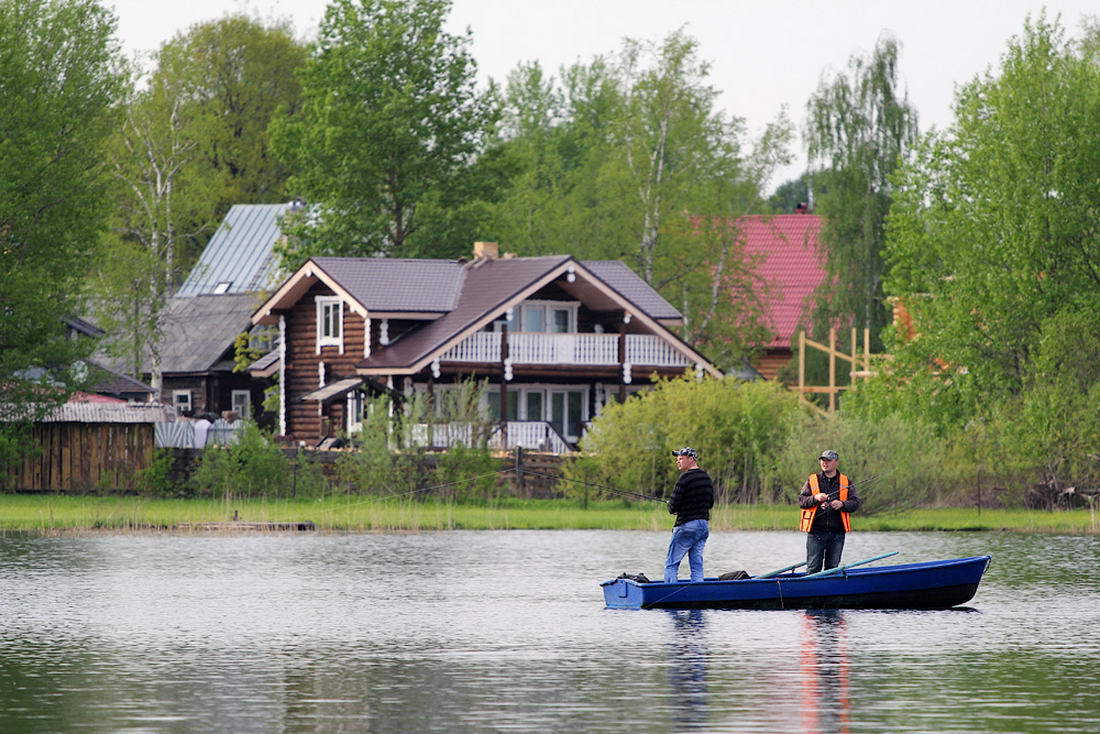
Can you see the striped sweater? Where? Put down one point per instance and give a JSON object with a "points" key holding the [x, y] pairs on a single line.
{"points": [[693, 496]]}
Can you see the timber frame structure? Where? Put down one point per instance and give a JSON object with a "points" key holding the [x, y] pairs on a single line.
{"points": [[859, 363]]}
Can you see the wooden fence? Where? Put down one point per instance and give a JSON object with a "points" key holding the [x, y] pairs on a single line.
{"points": [[79, 457]]}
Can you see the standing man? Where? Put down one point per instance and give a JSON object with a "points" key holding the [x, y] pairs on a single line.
{"points": [[691, 502], [827, 499]]}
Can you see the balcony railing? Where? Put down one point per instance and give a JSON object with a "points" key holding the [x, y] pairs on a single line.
{"points": [[533, 435], [579, 349]]}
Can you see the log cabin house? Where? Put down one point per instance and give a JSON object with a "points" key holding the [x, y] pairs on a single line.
{"points": [[555, 338]]}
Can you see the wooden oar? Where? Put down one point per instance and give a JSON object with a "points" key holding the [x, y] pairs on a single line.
{"points": [[839, 569], [778, 571]]}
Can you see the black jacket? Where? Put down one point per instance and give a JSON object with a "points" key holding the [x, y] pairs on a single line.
{"points": [[693, 496]]}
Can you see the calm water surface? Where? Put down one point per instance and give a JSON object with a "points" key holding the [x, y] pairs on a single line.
{"points": [[506, 631]]}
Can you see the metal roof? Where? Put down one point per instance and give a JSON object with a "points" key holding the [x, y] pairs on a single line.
{"points": [[241, 253], [86, 412], [791, 262]]}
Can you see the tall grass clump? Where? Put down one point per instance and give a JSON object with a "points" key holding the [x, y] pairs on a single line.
{"points": [[255, 466], [737, 427]]}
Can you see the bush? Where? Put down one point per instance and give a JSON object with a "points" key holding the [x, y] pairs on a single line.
{"points": [[737, 427]]}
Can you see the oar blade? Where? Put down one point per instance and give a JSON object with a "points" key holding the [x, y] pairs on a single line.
{"points": [[778, 571], [845, 567]]}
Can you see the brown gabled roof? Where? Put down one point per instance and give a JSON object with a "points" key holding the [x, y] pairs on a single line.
{"points": [[487, 285], [619, 276], [403, 285]]}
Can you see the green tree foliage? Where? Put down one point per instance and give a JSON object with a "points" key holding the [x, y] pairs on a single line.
{"points": [[60, 81], [789, 195], [627, 158], [859, 129], [234, 74], [737, 427], [992, 236], [193, 143], [991, 250], [391, 121]]}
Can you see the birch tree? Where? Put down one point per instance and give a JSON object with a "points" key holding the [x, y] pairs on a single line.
{"points": [[860, 126]]}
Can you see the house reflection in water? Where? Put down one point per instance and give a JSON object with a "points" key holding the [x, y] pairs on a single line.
{"points": [[824, 704], [687, 670]]}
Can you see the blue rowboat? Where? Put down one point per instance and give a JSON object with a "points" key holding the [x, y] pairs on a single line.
{"points": [[928, 585]]}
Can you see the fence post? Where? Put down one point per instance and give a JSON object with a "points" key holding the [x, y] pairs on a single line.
{"points": [[521, 484]]}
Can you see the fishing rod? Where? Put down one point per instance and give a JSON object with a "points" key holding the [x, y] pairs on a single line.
{"points": [[604, 487], [861, 481]]}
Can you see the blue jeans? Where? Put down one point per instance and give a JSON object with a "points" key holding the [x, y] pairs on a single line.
{"points": [[687, 539], [823, 551]]}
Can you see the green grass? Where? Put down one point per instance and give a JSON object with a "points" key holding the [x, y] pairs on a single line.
{"points": [[360, 514]]}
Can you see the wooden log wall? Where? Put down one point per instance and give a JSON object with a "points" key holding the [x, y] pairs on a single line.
{"points": [[78, 457], [304, 420]]}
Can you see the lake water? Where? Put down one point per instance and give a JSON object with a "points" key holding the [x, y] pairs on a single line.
{"points": [[506, 631]]}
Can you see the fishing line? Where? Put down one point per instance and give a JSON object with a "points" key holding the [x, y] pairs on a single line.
{"points": [[597, 486], [417, 491]]}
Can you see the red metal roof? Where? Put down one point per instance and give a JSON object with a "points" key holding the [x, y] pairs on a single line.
{"points": [[790, 263]]}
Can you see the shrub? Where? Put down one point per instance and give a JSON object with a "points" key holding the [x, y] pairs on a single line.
{"points": [[737, 427]]}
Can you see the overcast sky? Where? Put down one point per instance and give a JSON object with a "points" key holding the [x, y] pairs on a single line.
{"points": [[764, 53]]}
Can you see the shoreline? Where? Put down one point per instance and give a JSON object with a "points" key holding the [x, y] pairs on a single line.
{"points": [[354, 513]]}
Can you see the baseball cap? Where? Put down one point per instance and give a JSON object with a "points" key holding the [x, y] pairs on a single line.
{"points": [[686, 451], [830, 455]]}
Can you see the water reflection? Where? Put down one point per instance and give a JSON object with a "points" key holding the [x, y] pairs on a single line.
{"points": [[687, 670], [823, 658]]}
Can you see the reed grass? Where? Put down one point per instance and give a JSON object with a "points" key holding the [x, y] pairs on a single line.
{"points": [[355, 513]]}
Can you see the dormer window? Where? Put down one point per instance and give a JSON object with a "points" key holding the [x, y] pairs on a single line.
{"points": [[330, 322]]}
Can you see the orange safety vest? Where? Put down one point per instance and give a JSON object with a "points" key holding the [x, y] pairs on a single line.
{"points": [[808, 514]]}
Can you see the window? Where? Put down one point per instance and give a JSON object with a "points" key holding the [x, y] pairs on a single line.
{"points": [[559, 320], [330, 322], [242, 403], [534, 405], [513, 405], [181, 399], [222, 287], [556, 317], [566, 407], [534, 318]]}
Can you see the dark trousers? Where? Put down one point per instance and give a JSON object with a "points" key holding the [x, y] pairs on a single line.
{"points": [[823, 547]]}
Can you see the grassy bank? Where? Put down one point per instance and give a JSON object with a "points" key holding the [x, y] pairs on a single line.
{"points": [[358, 514]]}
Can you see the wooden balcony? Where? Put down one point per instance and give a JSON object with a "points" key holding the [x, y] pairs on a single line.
{"points": [[574, 349]]}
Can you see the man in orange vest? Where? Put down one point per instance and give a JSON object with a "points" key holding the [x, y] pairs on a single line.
{"points": [[827, 500]]}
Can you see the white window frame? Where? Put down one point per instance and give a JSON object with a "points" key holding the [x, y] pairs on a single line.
{"points": [[235, 396], [178, 404], [548, 308], [324, 304]]}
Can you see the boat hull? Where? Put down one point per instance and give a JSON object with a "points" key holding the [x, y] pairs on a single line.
{"points": [[930, 585]]}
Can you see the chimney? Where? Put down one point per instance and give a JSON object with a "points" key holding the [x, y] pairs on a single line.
{"points": [[486, 250]]}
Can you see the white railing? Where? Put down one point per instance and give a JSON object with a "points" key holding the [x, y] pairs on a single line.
{"points": [[580, 349], [534, 435]]}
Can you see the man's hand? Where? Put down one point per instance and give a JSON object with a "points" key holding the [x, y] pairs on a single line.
{"points": [[820, 497], [836, 504]]}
